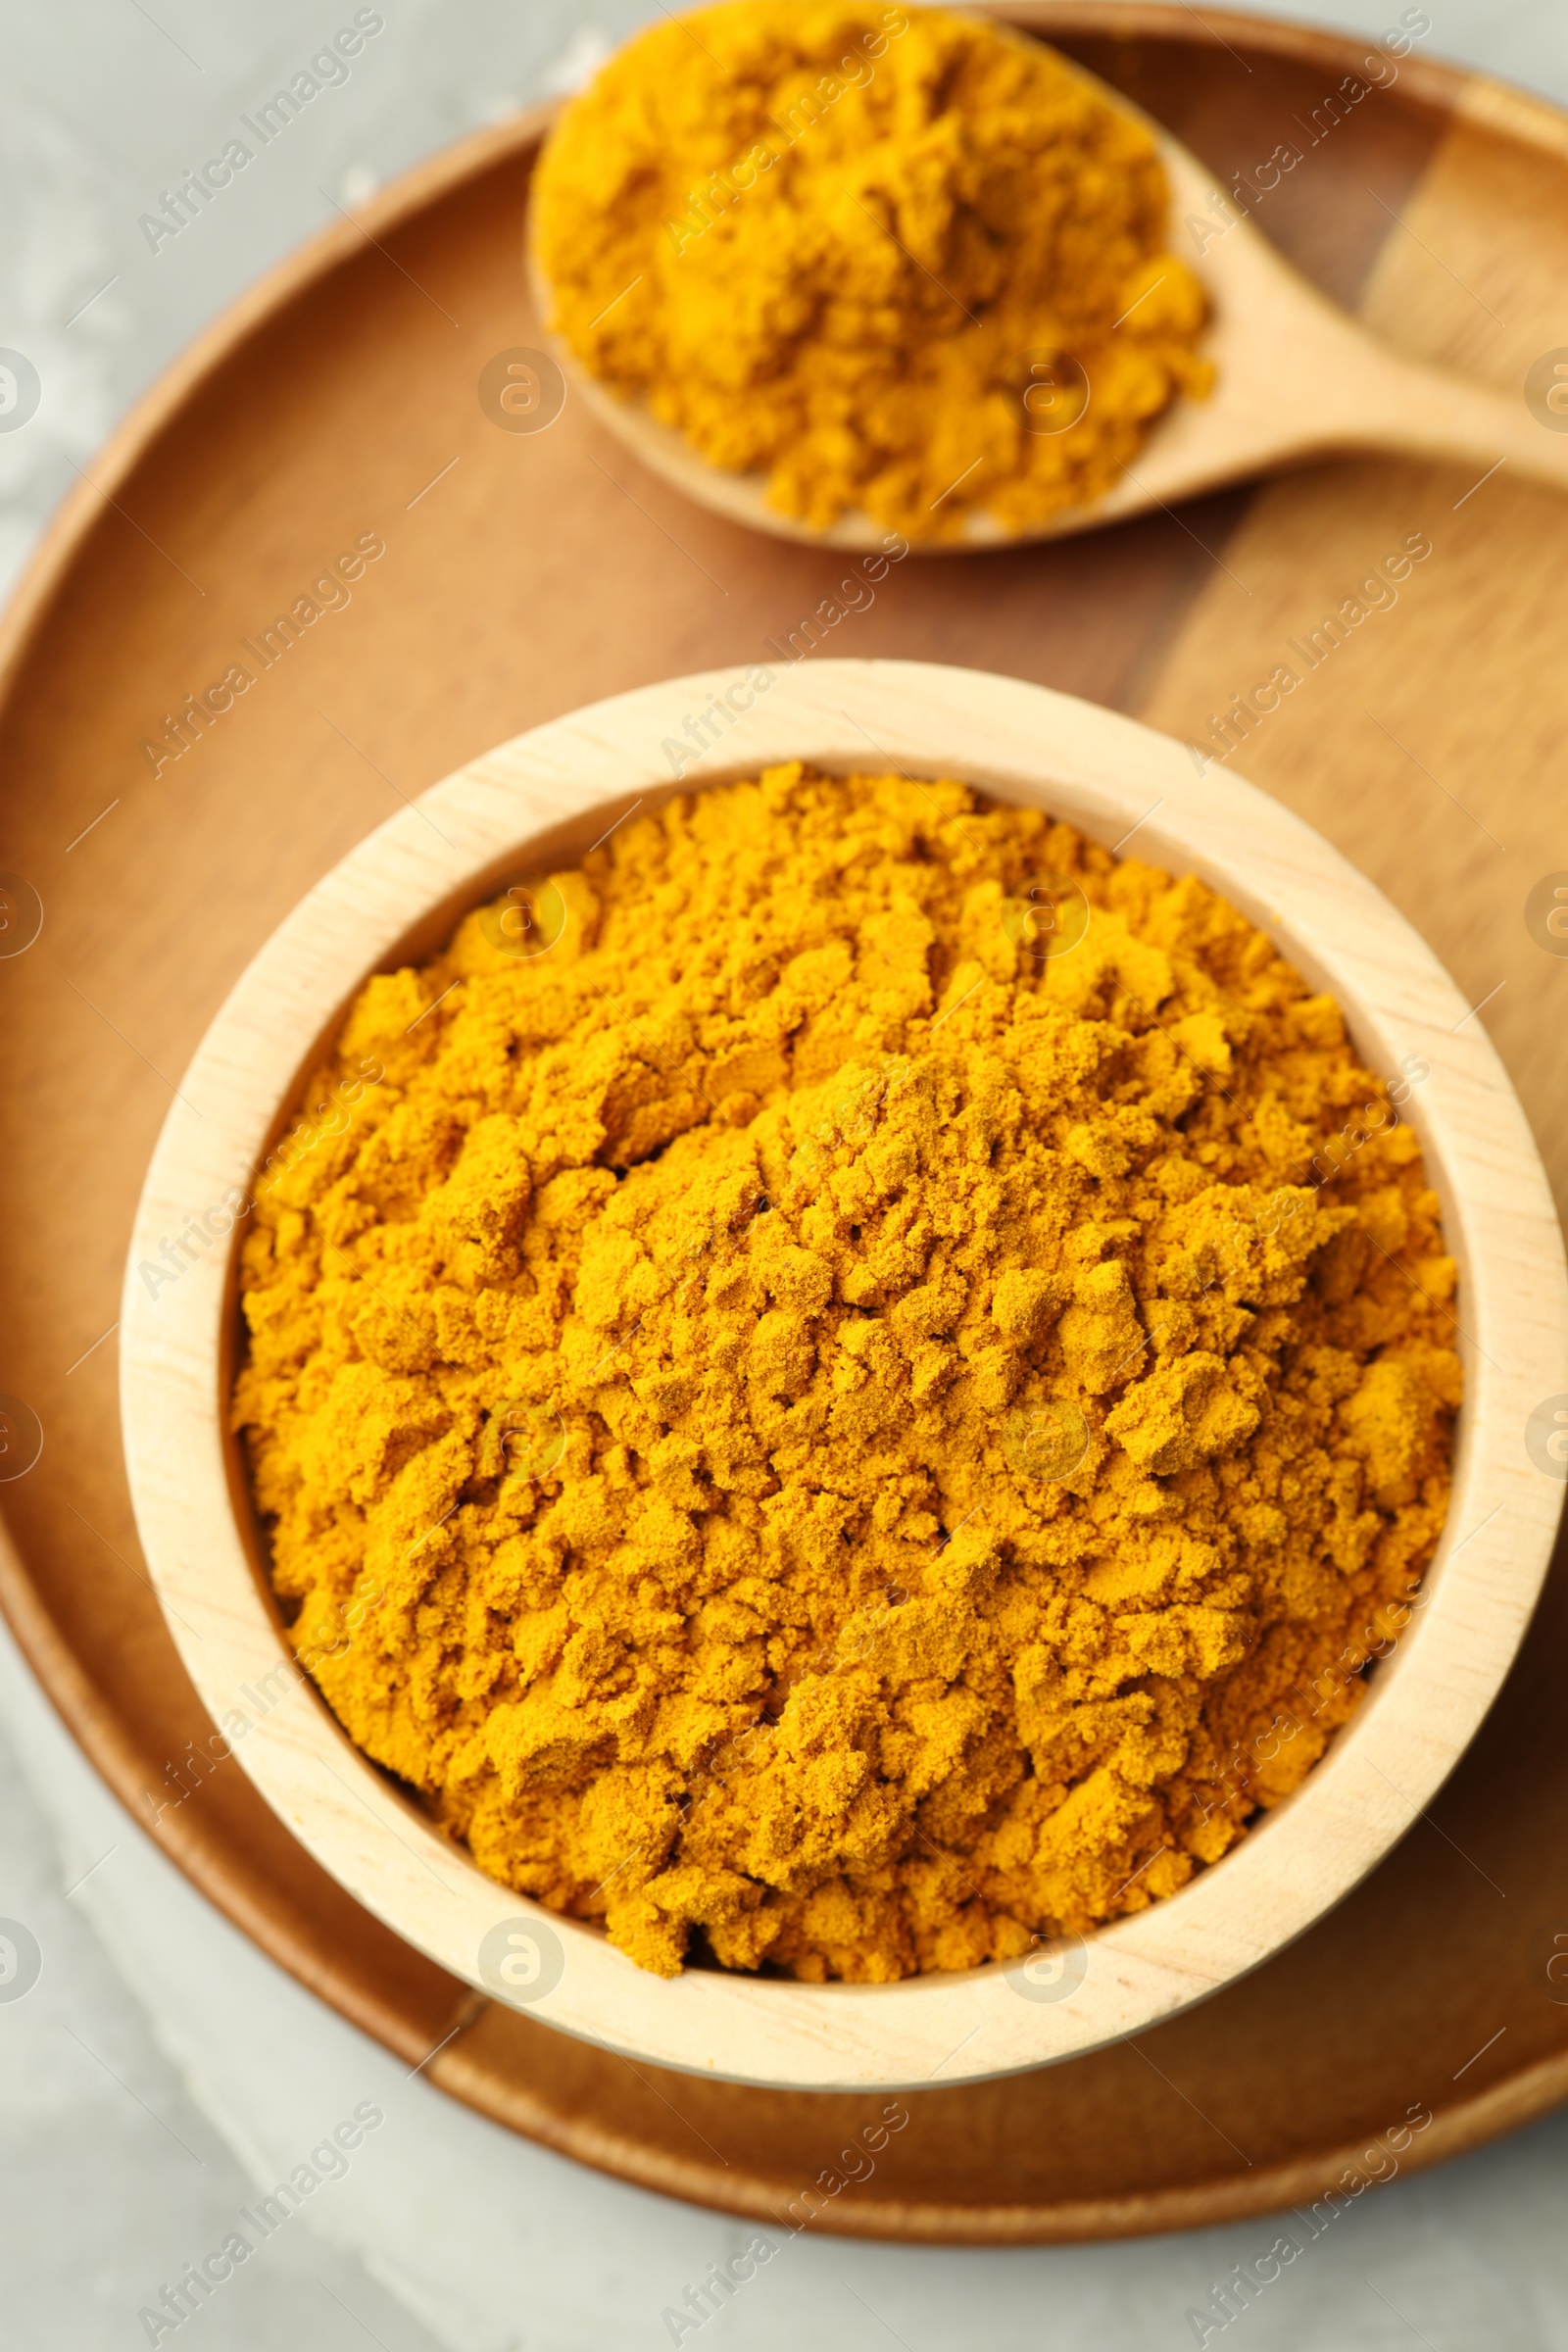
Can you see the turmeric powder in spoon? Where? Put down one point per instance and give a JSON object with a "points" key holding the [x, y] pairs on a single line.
{"points": [[898, 260]]}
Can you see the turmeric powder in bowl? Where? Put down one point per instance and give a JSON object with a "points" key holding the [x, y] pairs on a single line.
{"points": [[863, 1390], [899, 260]]}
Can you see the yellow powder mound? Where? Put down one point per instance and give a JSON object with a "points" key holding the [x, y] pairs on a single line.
{"points": [[867, 1381], [885, 256]]}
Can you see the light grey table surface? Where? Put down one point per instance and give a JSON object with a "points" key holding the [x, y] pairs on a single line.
{"points": [[161, 2072]]}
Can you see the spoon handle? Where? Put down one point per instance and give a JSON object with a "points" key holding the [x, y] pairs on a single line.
{"points": [[1420, 410]]}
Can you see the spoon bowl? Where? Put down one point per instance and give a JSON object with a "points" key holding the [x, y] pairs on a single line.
{"points": [[1296, 379]]}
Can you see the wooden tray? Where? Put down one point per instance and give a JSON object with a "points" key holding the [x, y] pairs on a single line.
{"points": [[527, 573]]}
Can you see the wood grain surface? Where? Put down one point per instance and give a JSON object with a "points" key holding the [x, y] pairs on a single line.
{"points": [[540, 572]]}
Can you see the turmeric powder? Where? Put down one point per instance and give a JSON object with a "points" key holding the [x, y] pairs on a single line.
{"points": [[867, 1382], [906, 262]]}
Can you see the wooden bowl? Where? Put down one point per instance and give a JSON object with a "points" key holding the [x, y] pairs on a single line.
{"points": [[536, 803]]}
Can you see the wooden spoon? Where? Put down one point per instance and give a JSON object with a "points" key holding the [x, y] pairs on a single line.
{"points": [[1296, 379]]}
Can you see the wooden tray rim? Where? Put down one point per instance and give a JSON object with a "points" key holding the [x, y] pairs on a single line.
{"points": [[1455, 92]]}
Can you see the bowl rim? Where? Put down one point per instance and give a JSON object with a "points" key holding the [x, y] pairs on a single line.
{"points": [[523, 805]]}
